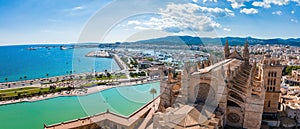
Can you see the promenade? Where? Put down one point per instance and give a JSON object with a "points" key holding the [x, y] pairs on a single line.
{"points": [[81, 91], [73, 80], [40, 81]]}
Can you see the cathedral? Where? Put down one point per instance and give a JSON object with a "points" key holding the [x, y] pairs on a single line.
{"points": [[233, 93]]}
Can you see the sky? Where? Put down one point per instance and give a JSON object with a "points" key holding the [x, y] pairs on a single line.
{"points": [[74, 21]]}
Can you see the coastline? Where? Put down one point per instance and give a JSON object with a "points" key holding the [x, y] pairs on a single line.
{"points": [[76, 92], [40, 82], [37, 82]]}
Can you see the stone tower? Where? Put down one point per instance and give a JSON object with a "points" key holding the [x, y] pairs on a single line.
{"points": [[254, 100], [226, 50], [246, 54], [271, 73]]}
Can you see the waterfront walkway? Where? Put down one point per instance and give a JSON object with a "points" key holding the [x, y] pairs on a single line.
{"points": [[80, 92]]}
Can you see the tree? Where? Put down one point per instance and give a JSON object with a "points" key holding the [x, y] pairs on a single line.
{"points": [[153, 91], [6, 79], [108, 75], [25, 77], [21, 78], [47, 75]]}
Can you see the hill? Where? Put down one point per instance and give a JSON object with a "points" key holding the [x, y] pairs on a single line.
{"points": [[189, 40]]}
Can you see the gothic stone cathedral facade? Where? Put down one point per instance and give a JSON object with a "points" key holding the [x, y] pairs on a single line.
{"points": [[235, 90]]}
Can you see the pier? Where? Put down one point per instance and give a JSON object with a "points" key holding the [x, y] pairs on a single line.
{"points": [[99, 53]]}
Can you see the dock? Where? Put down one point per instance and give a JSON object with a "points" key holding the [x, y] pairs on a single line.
{"points": [[99, 53]]}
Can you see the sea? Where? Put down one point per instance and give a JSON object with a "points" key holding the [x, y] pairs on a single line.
{"points": [[40, 61]]}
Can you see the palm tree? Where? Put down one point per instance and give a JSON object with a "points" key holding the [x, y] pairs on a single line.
{"points": [[25, 77], [153, 91], [21, 78], [6, 79], [47, 75]]}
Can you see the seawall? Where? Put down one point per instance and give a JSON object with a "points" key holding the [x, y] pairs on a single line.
{"points": [[120, 63]]}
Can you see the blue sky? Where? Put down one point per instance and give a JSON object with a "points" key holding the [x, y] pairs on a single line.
{"points": [[66, 21]]}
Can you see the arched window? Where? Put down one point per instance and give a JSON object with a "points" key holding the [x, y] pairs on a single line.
{"points": [[269, 74], [274, 82], [269, 103], [275, 74], [236, 96], [233, 104], [268, 81]]}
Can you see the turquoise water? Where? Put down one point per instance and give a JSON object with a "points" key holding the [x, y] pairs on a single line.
{"points": [[17, 61], [33, 115]]}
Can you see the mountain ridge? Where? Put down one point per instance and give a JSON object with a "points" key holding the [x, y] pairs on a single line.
{"points": [[189, 40]]}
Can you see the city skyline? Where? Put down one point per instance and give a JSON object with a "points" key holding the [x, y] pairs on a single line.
{"points": [[63, 22]]}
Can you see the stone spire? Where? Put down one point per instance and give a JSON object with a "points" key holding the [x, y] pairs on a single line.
{"points": [[170, 75], [228, 72], [226, 50], [246, 54], [254, 68]]}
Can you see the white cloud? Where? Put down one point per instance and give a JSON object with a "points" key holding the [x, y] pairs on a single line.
{"points": [[218, 12], [294, 20], [297, 1], [277, 2], [277, 13], [204, 1], [292, 12], [210, 1], [249, 11], [141, 28], [177, 18], [237, 3], [77, 8], [267, 3], [261, 4], [134, 22], [226, 29]]}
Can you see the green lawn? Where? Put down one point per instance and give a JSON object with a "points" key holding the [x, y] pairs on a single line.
{"points": [[112, 77], [26, 91], [19, 89]]}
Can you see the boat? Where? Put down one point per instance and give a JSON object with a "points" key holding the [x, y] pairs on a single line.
{"points": [[31, 48], [63, 48]]}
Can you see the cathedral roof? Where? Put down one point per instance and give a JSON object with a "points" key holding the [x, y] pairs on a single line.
{"points": [[233, 63], [235, 55], [185, 116]]}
